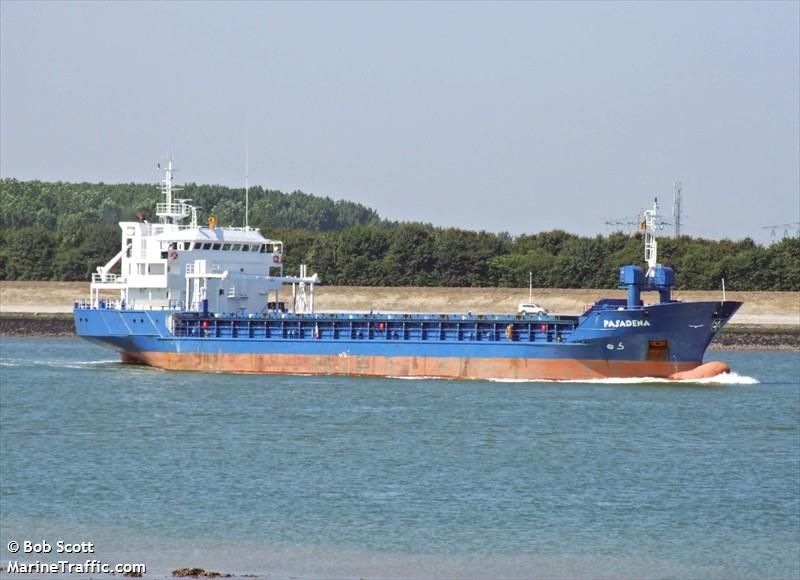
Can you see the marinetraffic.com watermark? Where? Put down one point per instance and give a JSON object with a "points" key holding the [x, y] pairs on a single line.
{"points": [[62, 549]]}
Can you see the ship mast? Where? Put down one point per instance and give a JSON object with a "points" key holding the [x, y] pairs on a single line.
{"points": [[171, 212], [649, 226], [247, 184]]}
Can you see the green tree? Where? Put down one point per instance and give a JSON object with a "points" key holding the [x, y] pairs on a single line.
{"points": [[360, 254], [410, 258], [82, 250], [30, 254]]}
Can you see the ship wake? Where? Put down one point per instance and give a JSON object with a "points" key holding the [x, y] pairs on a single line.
{"points": [[731, 378]]}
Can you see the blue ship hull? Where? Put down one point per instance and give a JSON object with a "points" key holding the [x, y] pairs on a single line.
{"points": [[609, 340]]}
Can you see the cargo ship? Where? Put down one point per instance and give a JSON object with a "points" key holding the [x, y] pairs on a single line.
{"points": [[192, 296]]}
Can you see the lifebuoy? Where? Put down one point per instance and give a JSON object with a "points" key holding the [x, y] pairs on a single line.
{"points": [[276, 258], [173, 255]]}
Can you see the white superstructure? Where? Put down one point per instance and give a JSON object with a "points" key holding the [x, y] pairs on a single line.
{"points": [[650, 227], [172, 265]]}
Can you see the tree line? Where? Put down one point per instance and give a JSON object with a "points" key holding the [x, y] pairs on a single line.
{"points": [[412, 254], [62, 231], [61, 206]]}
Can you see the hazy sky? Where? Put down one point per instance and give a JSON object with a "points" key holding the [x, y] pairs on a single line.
{"points": [[501, 116]]}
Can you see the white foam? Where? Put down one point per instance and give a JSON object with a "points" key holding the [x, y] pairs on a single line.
{"points": [[60, 364], [418, 378], [79, 364], [729, 379], [721, 379]]}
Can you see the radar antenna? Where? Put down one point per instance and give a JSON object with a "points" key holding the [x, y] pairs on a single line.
{"points": [[626, 224]]}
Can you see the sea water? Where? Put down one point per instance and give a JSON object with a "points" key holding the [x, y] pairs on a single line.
{"points": [[303, 476]]}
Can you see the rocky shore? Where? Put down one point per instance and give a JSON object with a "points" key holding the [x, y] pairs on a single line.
{"points": [[758, 338], [734, 337], [37, 325]]}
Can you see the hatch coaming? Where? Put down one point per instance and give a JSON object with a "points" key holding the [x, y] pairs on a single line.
{"points": [[408, 327]]}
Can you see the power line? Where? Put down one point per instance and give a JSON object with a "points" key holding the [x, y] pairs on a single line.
{"points": [[785, 227]]}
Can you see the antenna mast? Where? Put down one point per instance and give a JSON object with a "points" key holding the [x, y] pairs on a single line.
{"points": [[530, 287], [676, 209], [649, 226], [247, 182], [170, 211]]}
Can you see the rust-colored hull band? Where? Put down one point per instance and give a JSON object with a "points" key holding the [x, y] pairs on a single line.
{"points": [[452, 368], [704, 371]]}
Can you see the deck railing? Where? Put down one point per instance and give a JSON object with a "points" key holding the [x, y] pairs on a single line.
{"points": [[113, 304], [97, 277]]}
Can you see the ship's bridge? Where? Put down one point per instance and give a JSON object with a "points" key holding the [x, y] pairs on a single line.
{"points": [[222, 239], [143, 241]]}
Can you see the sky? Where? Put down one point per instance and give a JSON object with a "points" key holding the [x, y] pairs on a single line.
{"points": [[518, 117]]}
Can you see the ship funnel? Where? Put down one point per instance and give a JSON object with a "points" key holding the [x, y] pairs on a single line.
{"points": [[632, 278], [662, 279]]}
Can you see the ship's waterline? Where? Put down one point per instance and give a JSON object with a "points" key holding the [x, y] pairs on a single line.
{"points": [[421, 366]]}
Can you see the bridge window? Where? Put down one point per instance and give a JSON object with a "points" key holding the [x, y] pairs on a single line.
{"points": [[226, 247], [216, 246], [207, 246], [236, 247]]}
